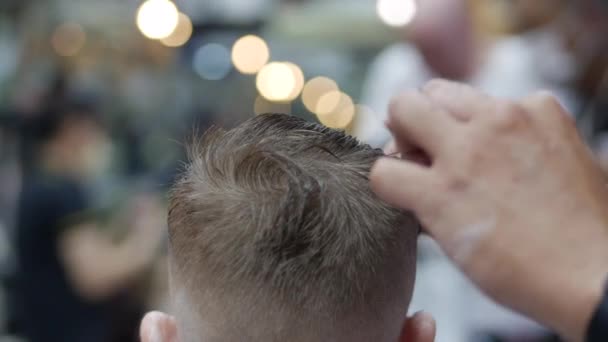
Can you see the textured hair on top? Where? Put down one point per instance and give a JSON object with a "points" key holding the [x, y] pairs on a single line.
{"points": [[277, 215]]}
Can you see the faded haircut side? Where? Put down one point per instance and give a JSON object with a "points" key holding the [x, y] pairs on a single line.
{"points": [[275, 235]]}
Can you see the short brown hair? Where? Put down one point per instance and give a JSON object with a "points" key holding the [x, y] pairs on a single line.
{"points": [[277, 215]]}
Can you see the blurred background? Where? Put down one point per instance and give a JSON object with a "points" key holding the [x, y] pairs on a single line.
{"points": [[98, 97]]}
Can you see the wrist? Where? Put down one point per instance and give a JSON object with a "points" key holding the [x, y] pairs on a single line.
{"points": [[564, 290], [584, 275], [589, 303], [580, 297]]}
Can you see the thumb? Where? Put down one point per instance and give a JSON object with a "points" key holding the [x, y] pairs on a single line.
{"points": [[405, 184]]}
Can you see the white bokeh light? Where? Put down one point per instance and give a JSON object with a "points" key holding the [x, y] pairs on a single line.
{"points": [[315, 89], [249, 54], [276, 82], [397, 12], [157, 19], [298, 75], [339, 110], [181, 34]]}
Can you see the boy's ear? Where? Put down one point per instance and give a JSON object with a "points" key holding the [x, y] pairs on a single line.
{"points": [[158, 327], [419, 328]]}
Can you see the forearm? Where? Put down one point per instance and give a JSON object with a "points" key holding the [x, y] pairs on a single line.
{"points": [[115, 269], [97, 267], [575, 309]]}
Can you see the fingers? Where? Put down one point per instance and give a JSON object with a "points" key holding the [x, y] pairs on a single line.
{"points": [[405, 151], [461, 100], [544, 108], [391, 148], [415, 120], [402, 183]]}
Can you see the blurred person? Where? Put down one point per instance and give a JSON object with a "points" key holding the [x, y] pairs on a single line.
{"points": [[70, 273], [442, 42], [275, 235], [513, 196], [585, 29], [529, 15], [580, 28]]}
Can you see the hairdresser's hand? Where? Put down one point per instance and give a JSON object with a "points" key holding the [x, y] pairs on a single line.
{"points": [[512, 195]]}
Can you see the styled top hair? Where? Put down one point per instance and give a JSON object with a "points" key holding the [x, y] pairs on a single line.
{"points": [[274, 231]]}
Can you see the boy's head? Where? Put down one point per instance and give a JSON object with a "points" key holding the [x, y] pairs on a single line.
{"points": [[275, 235]]}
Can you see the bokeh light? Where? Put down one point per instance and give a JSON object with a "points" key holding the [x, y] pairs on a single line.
{"points": [[181, 34], [396, 12], [299, 78], [315, 89], [157, 19], [342, 113], [263, 106], [249, 54], [276, 82], [328, 102], [212, 61], [68, 39]]}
